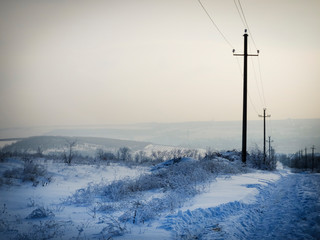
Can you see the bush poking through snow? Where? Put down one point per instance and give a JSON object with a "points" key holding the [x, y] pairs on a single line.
{"points": [[14, 173], [174, 182], [45, 230], [4, 224], [256, 160], [70, 153], [114, 228], [32, 172], [40, 212]]}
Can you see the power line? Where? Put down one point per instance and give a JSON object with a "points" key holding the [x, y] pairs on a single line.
{"points": [[263, 95], [255, 78], [262, 99], [216, 26], [269, 123], [246, 23], [253, 106]]}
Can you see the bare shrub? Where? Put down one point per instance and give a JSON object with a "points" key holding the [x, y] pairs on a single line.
{"points": [[44, 230], [70, 153], [13, 173], [106, 156], [40, 212], [114, 227], [31, 171], [257, 160]]}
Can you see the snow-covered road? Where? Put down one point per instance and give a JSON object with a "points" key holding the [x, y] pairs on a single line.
{"points": [[290, 210], [285, 209]]}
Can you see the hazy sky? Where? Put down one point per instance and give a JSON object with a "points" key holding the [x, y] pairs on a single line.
{"points": [[127, 61]]}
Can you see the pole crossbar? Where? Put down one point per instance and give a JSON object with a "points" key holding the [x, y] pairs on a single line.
{"points": [[249, 55]]}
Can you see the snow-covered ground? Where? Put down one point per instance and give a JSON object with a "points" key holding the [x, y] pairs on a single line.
{"points": [[270, 206], [254, 205]]}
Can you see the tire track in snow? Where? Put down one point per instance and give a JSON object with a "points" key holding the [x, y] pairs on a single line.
{"points": [[286, 209], [292, 211]]}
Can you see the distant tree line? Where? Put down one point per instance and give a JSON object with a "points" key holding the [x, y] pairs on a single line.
{"points": [[124, 154]]}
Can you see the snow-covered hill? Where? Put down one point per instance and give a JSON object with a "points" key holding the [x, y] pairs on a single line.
{"points": [[86, 146]]}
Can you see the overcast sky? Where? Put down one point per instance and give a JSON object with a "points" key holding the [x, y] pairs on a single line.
{"points": [[128, 61]]}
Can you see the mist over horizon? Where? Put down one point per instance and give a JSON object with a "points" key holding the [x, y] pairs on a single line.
{"points": [[288, 136]]}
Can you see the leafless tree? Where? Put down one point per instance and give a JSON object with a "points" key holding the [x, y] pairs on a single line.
{"points": [[68, 156], [39, 151]]}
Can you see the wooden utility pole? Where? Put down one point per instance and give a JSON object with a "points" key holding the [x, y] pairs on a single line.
{"points": [[312, 157], [245, 90], [300, 157], [264, 134], [270, 148], [306, 157]]}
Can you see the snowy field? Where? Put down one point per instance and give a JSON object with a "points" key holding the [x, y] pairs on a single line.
{"points": [[87, 202]]}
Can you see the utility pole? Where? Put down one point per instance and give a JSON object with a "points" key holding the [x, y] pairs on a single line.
{"points": [[270, 148], [306, 158], [264, 134], [245, 89], [300, 157], [312, 157]]}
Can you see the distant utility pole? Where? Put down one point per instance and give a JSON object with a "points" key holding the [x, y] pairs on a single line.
{"points": [[270, 148], [300, 158], [312, 157], [245, 89], [264, 133], [299, 155], [306, 158]]}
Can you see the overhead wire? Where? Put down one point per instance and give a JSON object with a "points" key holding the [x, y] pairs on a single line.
{"points": [[257, 85], [243, 22], [215, 25], [263, 95], [246, 23], [250, 99], [259, 67], [256, 80], [269, 126]]}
